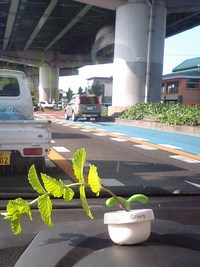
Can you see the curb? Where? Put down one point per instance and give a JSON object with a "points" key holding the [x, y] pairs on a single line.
{"points": [[189, 130]]}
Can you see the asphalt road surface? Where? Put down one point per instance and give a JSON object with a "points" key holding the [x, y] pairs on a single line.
{"points": [[131, 156], [126, 157]]}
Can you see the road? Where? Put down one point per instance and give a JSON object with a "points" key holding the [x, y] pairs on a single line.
{"points": [[132, 156], [126, 156]]}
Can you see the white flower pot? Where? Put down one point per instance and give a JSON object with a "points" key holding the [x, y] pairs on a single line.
{"points": [[129, 227]]}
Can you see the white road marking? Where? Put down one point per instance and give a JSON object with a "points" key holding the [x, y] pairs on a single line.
{"points": [[60, 149], [185, 159], [118, 139], [146, 147], [139, 138], [170, 146], [111, 182], [74, 127], [99, 134], [52, 141]]}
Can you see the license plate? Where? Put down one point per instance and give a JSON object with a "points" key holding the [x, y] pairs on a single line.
{"points": [[4, 158], [89, 108]]}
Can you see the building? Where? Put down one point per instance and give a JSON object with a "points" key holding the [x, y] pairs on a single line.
{"points": [[183, 84], [106, 86]]}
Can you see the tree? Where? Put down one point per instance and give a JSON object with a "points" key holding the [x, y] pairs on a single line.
{"points": [[96, 89], [69, 94], [80, 91]]}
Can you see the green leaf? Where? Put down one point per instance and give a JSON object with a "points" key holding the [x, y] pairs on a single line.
{"points": [[15, 209], [34, 181], [45, 209], [93, 180], [68, 193], [84, 201], [78, 161], [52, 185]]}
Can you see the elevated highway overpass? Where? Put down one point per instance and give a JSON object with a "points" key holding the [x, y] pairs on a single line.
{"points": [[59, 36]]}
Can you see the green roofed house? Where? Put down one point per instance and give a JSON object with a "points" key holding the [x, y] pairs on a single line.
{"points": [[183, 84]]}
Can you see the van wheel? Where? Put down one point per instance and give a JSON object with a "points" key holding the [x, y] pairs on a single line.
{"points": [[98, 118], [66, 117], [74, 118]]}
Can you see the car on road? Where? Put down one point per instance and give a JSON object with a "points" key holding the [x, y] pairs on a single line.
{"points": [[83, 106], [45, 104]]}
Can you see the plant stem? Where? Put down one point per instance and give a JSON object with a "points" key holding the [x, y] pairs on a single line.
{"points": [[115, 197], [33, 201]]}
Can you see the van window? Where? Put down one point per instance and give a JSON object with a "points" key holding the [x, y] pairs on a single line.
{"points": [[89, 100], [9, 87]]}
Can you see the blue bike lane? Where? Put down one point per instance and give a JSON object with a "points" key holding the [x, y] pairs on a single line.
{"points": [[177, 141]]}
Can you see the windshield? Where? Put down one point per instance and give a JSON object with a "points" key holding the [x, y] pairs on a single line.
{"points": [[9, 87], [146, 138], [89, 100]]}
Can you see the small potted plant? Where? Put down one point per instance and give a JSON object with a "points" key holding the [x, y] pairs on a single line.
{"points": [[129, 226], [125, 227]]}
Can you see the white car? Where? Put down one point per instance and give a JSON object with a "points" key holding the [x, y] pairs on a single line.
{"points": [[45, 104]]}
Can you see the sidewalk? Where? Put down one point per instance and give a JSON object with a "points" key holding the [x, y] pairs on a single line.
{"points": [[189, 130]]}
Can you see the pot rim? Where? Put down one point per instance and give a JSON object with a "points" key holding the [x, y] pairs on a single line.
{"points": [[132, 216]]}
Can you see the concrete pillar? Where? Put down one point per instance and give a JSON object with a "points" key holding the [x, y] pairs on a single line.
{"points": [[156, 53], [137, 34], [48, 83], [35, 75]]}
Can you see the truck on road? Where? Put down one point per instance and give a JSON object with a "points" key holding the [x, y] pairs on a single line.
{"points": [[24, 140]]}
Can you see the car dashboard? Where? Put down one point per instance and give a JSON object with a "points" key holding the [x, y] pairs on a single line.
{"points": [[77, 241]]}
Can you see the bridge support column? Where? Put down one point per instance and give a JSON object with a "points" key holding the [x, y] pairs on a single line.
{"points": [[48, 83], [138, 54]]}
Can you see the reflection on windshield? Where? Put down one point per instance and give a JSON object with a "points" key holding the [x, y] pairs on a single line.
{"points": [[136, 146]]}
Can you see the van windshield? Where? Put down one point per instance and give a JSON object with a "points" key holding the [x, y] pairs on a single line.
{"points": [[9, 87], [89, 100]]}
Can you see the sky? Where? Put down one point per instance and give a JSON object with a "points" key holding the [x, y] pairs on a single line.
{"points": [[178, 48]]}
